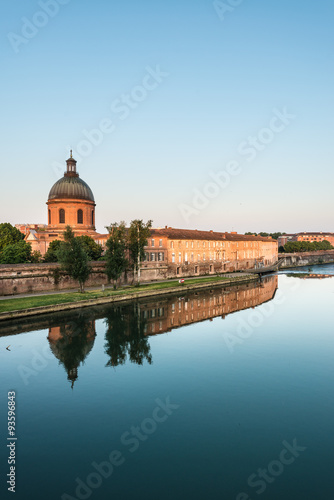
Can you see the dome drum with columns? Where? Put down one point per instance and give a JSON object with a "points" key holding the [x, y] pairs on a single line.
{"points": [[71, 202]]}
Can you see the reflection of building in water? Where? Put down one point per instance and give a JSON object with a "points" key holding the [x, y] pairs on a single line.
{"points": [[71, 344], [162, 316], [307, 276]]}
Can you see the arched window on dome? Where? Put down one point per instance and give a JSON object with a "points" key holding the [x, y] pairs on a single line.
{"points": [[61, 216], [80, 216], [49, 216]]}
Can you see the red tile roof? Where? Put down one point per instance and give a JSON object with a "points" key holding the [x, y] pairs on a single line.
{"points": [[194, 234]]}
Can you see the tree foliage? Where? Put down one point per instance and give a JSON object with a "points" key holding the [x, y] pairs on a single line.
{"points": [[16, 253], [51, 254], [115, 256], [73, 258], [307, 246], [274, 236], [9, 235], [36, 257], [92, 249]]}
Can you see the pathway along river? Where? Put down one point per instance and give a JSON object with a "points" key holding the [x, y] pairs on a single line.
{"points": [[224, 394]]}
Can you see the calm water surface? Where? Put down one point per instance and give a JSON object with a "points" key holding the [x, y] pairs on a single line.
{"points": [[226, 394]]}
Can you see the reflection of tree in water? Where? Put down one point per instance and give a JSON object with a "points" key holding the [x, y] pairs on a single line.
{"points": [[125, 337], [71, 343]]}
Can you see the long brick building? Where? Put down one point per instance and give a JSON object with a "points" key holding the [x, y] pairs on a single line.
{"points": [[170, 252]]}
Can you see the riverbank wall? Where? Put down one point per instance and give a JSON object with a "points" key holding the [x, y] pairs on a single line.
{"points": [[302, 259]]}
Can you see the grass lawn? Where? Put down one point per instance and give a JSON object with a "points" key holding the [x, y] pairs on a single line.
{"points": [[8, 305]]}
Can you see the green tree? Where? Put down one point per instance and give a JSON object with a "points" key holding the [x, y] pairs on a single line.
{"points": [[92, 249], [326, 245], [115, 256], [74, 259], [139, 232], [36, 257], [16, 253], [52, 252], [307, 246], [9, 235]]}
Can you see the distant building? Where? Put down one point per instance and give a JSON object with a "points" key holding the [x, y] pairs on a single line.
{"points": [[170, 252], [285, 238], [311, 237]]}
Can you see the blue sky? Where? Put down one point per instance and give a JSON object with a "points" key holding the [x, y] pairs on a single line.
{"points": [[180, 92]]}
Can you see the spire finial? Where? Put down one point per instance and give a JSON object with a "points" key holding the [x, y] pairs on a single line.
{"points": [[70, 153]]}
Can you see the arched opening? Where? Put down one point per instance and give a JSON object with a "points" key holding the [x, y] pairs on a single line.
{"points": [[49, 216], [61, 216], [92, 217], [80, 216]]}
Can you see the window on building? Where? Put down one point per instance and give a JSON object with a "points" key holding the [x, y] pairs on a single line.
{"points": [[172, 244], [192, 244], [186, 257], [203, 256], [196, 269], [192, 257], [173, 257], [49, 216], [161, 256], [203, 244], [152, 257], [152, 243], [93, 215], [147, 256], [198, 257], [187, 243], [160, 243], [61, 216], [178, 270], [80, 216], [180, 257]]}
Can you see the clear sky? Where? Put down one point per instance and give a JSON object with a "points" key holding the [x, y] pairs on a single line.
{"points": [[211, 115]]}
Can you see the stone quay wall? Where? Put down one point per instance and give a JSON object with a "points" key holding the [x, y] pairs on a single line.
{"points": [[306, 258], [32, 278]]}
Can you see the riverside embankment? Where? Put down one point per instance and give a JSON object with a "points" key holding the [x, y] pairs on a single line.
{"points": [[16, 308], [306, 258]]}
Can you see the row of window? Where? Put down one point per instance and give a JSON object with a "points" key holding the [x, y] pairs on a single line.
{"points": [[154, 257], [215, 244], [213, 256], [153, 243], [62, 218]]}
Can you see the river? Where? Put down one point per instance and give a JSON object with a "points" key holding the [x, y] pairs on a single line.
{"points": [[222, 394]]}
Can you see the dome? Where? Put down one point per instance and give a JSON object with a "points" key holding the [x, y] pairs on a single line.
{"points": [[71, 187]]}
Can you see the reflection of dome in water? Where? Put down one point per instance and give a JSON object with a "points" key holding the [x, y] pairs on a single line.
{"points": [[71, 345]]}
